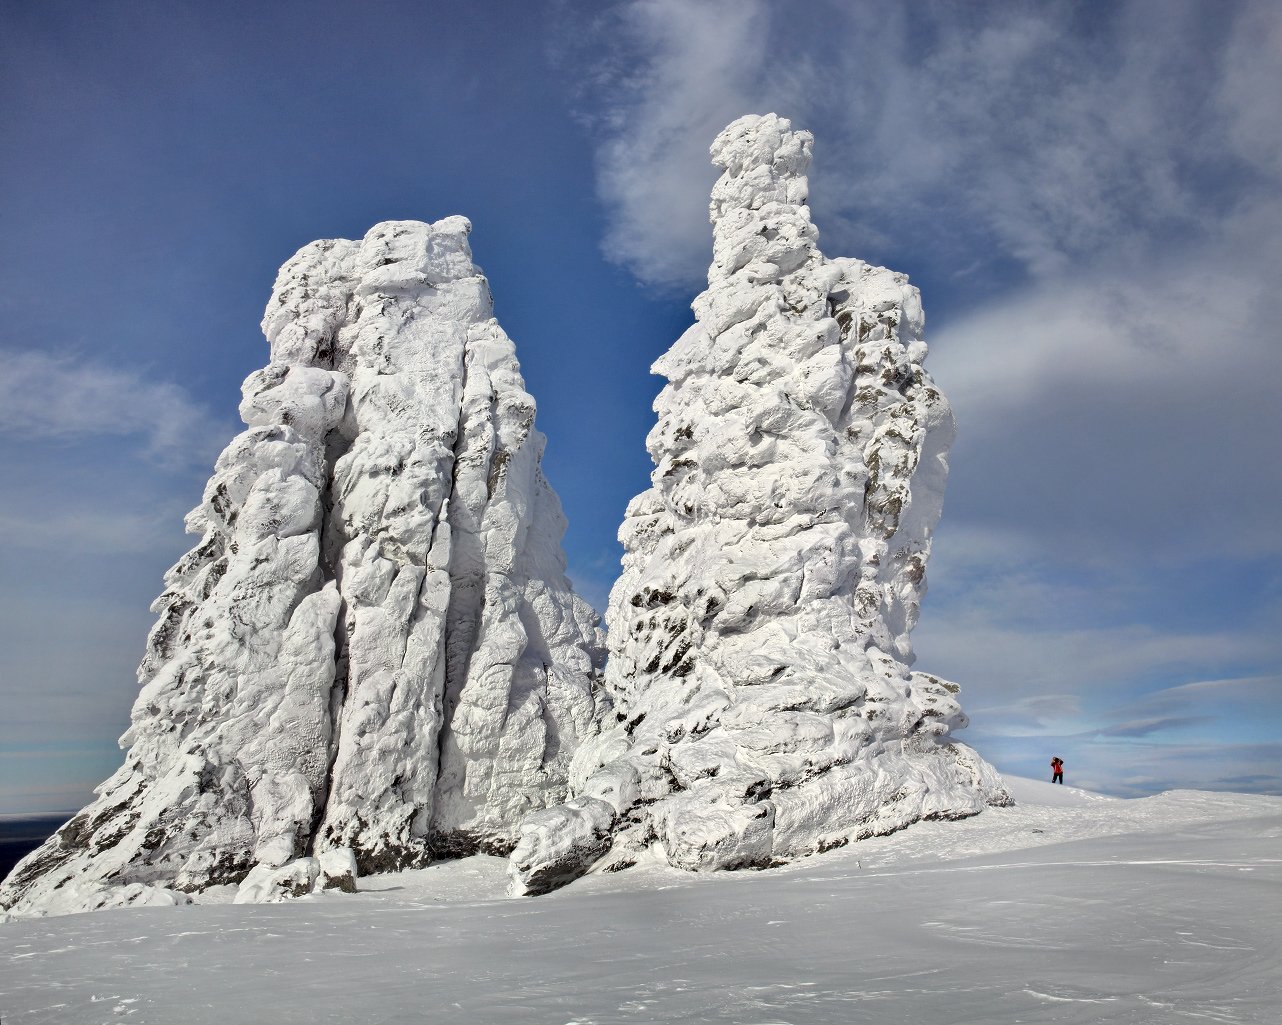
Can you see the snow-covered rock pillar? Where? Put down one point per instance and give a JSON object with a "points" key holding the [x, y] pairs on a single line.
{"points": [[759, 634], [373, 656]]}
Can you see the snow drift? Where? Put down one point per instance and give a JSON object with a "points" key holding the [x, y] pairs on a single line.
{"points": [[759, 634], [372, 657]]}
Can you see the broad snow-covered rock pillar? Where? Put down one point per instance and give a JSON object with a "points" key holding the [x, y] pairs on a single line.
{"points": [[373, 655], [759, 634]]}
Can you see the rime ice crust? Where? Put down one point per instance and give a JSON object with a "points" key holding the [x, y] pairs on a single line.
{"points": [[759, 634], [373, 651]]}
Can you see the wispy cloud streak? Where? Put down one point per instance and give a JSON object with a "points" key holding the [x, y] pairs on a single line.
{"points": [[1003, 133], [69, 397]]}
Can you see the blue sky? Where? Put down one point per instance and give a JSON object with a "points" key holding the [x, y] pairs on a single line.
{"points": [[1088, 195]]}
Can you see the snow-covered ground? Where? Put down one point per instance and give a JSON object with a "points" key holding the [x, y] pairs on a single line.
{"points": [[1070, 907]]}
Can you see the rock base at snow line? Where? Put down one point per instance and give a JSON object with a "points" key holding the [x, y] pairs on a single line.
{"points": [[557, 845], [334, 869], [73, 898], [338, 870], [701, 833]]}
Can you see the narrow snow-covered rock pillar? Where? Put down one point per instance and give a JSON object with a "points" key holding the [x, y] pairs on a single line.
{"points": [[759, 634], [373, 656]]}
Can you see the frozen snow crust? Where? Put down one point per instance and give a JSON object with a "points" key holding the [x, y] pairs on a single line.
{"points": [[759, 634], [372, 657]]}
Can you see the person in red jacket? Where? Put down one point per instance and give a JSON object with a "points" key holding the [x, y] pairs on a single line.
{"points": [[1057, 768]]}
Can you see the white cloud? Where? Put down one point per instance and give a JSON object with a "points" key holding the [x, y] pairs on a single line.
{"points": [[1034, 714], [92, 529], [1251, 84], [1011, 133], [1000, 661], [1206, 735], [1051, 654], [1137, 768], [68, 397], [89, 529], [653, 173], [1107, 415]]}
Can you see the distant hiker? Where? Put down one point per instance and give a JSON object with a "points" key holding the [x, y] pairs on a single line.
{"points": [[1057, 767]]}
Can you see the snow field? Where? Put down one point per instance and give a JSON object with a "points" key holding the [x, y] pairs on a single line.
{"points": [[1068, 908]]}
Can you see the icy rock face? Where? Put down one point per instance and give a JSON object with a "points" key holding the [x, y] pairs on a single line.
{"points": [[759, 634], [373, 653]]}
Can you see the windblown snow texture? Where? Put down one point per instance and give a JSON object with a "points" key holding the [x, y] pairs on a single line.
{"points": [[759, 634], [373, 650]]}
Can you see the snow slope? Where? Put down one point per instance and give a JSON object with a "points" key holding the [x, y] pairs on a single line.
{"points": [[1067, 908]]}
